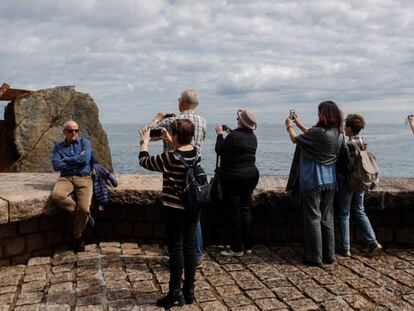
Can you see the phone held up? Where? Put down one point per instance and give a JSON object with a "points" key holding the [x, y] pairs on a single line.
{"points": [[156, 133], [292, 114]]}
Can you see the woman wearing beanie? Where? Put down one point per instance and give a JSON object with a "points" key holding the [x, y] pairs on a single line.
{"points": [[239, 178]]}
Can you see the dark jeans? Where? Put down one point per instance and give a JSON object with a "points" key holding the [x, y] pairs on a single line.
{"points": [[237, 194], [180, 230], [319, 226]]}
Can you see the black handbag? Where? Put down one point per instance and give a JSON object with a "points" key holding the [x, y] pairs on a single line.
{"points": [[216, 190], [345, 165]]}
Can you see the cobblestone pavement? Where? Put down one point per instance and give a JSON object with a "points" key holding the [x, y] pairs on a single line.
{"points": [[114, 276]]}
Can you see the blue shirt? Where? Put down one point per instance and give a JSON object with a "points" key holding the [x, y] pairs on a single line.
{"points": [[315, 176], [68, 160]]}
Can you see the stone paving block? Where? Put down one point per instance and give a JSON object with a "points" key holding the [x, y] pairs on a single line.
{"points": [[114, 284], [146, 298], [57, 307], [35, 277], [220, 279], [236, 300], [336, 305], [63, 268], [122, 305], [318, 294], [8, 289], [32, 307], [144, 287], [213, 306], [246, 280], [87, 271], [260, 293], [35, 261], [233, 267], [6, 299], [204, 295], [302, 305], [201, 284], [88, 291], [287, 293], [210, 268], [9, 280], [358, 302], [139, 276], [409, 298], [270, 304], [66, 287], [228, 291], [62, 277], [245, 308], [35, 286], [340, 289], [61, 298], [90, 300], [89, 308], [86, 282], [29, 298], [119, 293]]}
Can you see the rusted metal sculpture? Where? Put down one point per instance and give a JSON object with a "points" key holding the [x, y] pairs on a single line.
{"points": [[9, 94]]}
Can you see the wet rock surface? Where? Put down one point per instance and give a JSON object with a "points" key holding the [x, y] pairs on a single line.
{"points": [[127, 276]]}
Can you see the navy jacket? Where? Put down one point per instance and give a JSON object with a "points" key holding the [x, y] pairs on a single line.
{"points": [[100, 190]]}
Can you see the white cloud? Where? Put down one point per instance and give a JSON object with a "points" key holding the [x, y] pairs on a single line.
{"points": [[134, 57]]}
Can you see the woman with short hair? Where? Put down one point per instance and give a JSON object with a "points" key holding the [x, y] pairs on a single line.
{"points": [[313, 173], [180, 223]]}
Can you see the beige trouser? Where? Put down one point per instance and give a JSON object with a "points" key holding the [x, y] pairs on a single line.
{"points": [[82, 188]]}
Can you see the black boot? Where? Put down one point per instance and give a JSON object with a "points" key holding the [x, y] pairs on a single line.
{"points": [[78, 245], [174, 298], [188, 291]]}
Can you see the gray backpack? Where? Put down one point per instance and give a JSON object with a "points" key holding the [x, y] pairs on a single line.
{"points": [[366, 174]]}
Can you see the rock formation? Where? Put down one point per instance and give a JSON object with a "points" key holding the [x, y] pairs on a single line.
{"points": [[34, 122]]}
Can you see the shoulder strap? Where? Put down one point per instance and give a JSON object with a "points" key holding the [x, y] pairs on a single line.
{"points": [[353, 143], [181, 158]]}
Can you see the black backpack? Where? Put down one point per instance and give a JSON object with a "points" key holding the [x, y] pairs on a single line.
{"points": [[345, 165], [195, 194]]}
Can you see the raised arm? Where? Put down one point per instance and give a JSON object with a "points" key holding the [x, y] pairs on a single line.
{"points": [[290, 130], [299, 123], [411, 122]]}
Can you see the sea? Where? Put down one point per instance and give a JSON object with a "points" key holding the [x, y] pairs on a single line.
{"points": [[392, 144]]}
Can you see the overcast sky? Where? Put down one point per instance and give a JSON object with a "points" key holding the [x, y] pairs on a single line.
{"points": [[135, 56]]}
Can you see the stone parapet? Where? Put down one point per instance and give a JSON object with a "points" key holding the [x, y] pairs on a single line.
{"points": [[29, 226]]}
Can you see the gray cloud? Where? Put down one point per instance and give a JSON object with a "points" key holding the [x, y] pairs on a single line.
{"points": [[134, 57]]}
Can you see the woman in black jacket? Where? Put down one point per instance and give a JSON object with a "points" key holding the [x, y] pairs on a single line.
{"points": [[239, 178]]}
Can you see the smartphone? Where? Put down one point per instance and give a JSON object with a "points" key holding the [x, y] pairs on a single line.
{"points": [[292, 114], [156, 133]]}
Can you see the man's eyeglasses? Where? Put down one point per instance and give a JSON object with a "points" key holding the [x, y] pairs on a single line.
{"points": [[72, 130]]}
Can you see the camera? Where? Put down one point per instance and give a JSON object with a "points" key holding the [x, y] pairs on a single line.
{"points": [[225, 127], [156, 133], [292, 114], [169, 115]]}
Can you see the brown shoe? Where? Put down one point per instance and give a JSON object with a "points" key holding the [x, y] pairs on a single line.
{"points": [[199, 264]]}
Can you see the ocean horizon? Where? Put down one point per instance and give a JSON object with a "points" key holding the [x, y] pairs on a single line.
{"points": [[392, 144]]}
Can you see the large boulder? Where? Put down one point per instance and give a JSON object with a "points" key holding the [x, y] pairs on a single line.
{"points": [[35, 124]]}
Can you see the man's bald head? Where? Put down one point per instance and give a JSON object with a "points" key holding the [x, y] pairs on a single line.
{"points": [[70, 131], [189, 99]]}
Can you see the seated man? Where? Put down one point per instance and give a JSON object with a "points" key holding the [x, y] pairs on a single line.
{"points": [[71, 158]]}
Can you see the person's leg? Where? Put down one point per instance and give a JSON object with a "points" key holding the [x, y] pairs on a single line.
{"points": [[84, 193], [232, 195], [61, 195], [344, 210], [327, 226], [198, 242], [363, 220], [246, 205], [312, 227], [192, 221], [174, 226]]}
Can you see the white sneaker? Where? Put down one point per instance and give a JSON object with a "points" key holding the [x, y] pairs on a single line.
{"points": [[248, 251], [230, 253]]}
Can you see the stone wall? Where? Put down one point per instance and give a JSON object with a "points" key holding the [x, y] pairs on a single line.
{"points": [[29, 228]]}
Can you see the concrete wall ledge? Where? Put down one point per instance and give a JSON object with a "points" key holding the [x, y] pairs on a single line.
{"points": [[25, 195]]}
